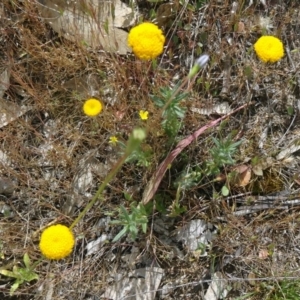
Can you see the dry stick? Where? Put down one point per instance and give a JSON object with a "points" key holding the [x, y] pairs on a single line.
{"points": [[156, 178]]}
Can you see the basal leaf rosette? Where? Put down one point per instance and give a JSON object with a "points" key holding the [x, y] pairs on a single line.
{"points": [[57, 242], [269, 48], [146, 40]]}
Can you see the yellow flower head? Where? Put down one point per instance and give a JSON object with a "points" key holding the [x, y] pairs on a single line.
{"points": [[57, 242], [144, 114], [113, 140], [269, 48], [146, 40], [92, 107]]}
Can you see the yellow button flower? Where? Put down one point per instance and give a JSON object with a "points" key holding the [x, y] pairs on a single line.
{"points": [[92, 107], [269, 48], [57, 242], [143, 114], [146, 40]]}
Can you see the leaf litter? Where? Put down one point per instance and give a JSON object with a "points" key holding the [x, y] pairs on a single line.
{"points": [[265, 220], [9, 111]]}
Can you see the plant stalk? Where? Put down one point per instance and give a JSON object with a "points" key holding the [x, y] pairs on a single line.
{"points": [[135, 140]]}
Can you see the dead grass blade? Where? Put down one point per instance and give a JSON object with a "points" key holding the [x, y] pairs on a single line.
{"points": [[156, 178]]}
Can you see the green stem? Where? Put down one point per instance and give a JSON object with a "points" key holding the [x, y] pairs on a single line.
{"points": [[101, 188], [137, 136], [184, 82], [174, 94]]}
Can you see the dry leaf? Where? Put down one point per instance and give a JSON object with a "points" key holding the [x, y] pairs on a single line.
{"points": [[93, 22], [240, 27], [84, 85], [257, 170], [243, 175], [4, 82], [218, 289], [222, 108], [165, 13], [119, 114], [245, 178], [297, 178], [139, 284], [251, 278], [9, 112], [263, 254], [241, 169], [292, 148]]}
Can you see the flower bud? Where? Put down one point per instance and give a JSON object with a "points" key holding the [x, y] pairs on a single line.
{"points": [[139, 134], [200, 63], [202, 60], [136, 138]]}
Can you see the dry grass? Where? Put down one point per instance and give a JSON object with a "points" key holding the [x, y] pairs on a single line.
{"points": [[51, 145]]}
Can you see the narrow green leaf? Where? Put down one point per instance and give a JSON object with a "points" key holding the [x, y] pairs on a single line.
{"points": [[26, 260], [31, 276], [9, 274], [120, 234], [15, 286], [127, 196], [144, 227]]}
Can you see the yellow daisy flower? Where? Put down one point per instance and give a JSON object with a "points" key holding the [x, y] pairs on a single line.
{"points": [[57, 242], [143, 114], [113, 140], [146, 40], [92, 107], [269, 48]]}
